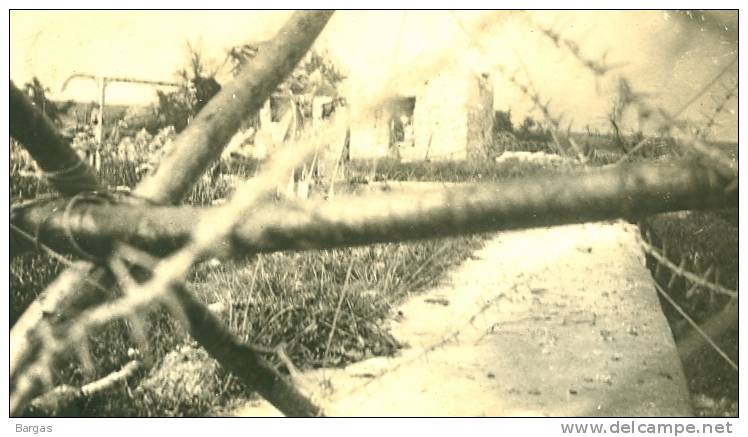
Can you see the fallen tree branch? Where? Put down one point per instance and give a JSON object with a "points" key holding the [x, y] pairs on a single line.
{"points": [[616, 192], [242, 360]]}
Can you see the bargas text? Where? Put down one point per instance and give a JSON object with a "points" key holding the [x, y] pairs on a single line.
{"points": [[36, 429]]}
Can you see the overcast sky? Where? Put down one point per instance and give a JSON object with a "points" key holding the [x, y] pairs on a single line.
{"points": [[390, 52]]}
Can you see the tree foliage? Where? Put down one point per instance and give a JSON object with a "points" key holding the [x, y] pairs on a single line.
{"points": [[316, 70], [37, 93], [197, 85], [531, 130], [502, 121], [316, 74]]}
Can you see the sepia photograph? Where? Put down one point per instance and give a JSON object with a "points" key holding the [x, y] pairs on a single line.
{"points": [[374, 213]]}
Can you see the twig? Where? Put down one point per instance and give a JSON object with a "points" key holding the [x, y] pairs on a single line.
{"points": [[206, 136], [58, 398]]}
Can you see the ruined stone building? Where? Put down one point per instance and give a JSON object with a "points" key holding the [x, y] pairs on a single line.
{"points": [[449, 117]]}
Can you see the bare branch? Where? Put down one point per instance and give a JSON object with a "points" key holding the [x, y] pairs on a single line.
{"points": [[204, 139], [62, 167], [601, 194]]}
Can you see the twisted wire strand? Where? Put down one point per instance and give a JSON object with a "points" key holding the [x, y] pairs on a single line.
{"points": [[54, 254], [74, 178], [696, 326], [694, 278], [91, 197], [168, 274]]}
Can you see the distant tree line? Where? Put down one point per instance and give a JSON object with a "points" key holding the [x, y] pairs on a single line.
{"points": [[528, 130]]}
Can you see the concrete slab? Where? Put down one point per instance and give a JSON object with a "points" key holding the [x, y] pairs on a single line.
{"points": [[561, 322]]}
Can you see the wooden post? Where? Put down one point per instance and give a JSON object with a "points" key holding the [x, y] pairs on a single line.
{"points": [[101, 83]]}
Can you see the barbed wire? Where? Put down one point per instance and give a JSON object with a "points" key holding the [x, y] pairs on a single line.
{"points": [[167, 275], [529, 91], [679, 270], [695, 326], [669, 122], [598, 67], [720, 105], [62, 259], [443, 341]]}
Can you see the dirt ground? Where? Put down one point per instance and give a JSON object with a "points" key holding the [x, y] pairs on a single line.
{"points": [[559, 322]]}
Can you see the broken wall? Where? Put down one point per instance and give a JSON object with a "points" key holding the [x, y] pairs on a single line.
{"points": [[439, 121]]}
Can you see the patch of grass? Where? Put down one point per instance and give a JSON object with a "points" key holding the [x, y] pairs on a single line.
{"points": [[29, 275], [289, 298], [450, 171]]}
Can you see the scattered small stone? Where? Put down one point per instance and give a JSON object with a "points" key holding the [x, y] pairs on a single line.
{"points": [[665, 375], [218, 309], [437, 301], [604, 378]]}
